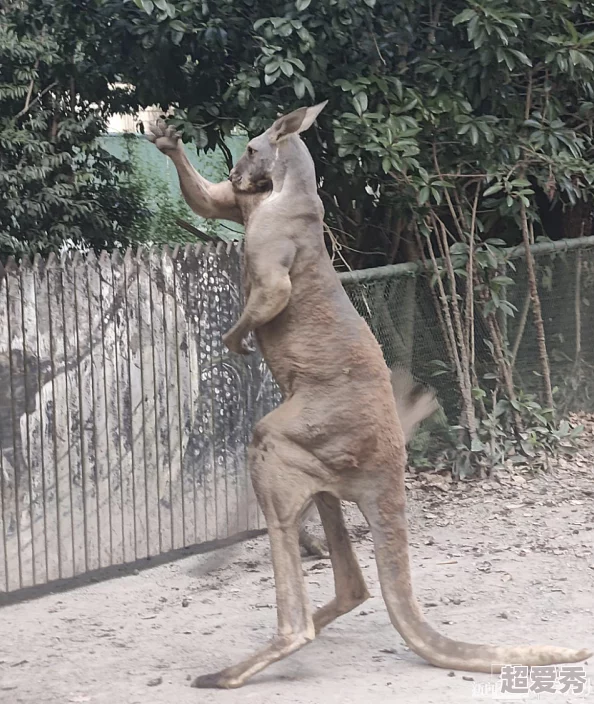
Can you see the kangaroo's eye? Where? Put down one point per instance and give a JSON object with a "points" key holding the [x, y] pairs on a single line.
{"points": [[251, 151]]}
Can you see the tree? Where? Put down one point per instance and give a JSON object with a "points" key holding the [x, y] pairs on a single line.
{"points": [[420, 95], [477, 88], [58, 186]]}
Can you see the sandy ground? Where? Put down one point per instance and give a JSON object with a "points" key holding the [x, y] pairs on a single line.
{"points": [[502, 561]]}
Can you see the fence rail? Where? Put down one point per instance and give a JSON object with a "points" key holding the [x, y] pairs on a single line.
{"points": [[124, 422]]}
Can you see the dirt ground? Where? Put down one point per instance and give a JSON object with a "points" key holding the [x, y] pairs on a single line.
{"points": [[505, 561]]}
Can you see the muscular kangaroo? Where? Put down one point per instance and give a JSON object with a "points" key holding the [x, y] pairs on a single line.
{"points": [[337, 434], [414, 403]]}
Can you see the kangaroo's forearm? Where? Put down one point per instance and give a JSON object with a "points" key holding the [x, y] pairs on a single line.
{"points": [[209, 200], [269, 289], [263, 305]]}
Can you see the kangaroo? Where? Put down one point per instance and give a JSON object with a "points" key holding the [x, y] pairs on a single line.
{"points": [[337, 435], [414, 403]]}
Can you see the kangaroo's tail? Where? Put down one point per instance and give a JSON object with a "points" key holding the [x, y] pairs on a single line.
{"points": [[414, 401]]}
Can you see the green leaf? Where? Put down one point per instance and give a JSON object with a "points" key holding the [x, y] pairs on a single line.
{"points": [[343, 84], [360, 102], [299, 87], [522, 57], [259, 23], [302, 5], [495, 188], [287, 68], [476, 445], [464, 16], [508, 308], [297, 62], [272, 66], [459, 248], [270, 78], [502, 280], [178, 26], [309, 88], [147, 6], [201, 138], [424, 195], [304, 35]]}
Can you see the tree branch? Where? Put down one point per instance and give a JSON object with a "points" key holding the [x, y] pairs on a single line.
{"points": [[30, 104], [537, 311]]}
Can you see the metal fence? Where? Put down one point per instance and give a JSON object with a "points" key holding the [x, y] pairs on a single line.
{"points": [[398, 304], [124, 422]]}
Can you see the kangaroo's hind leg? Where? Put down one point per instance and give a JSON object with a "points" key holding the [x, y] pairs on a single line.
{"points": [[282, 484], [349, 584]]}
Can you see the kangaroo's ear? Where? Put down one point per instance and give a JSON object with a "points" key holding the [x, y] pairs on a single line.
{"points": [[295, 122]]}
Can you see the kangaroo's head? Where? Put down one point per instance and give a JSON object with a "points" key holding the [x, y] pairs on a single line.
{"points": [[266, 156]]}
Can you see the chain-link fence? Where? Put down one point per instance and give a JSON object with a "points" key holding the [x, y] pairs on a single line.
{"points": [[399, 304], [124, 421]]}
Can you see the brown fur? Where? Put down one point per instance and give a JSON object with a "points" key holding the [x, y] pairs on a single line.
{"points": [[414, 403], [337, 435]]}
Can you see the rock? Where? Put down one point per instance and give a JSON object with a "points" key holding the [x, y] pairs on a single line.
{"points": [[155, 682]]}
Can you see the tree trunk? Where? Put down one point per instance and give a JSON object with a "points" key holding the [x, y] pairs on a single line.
{"points": [[537, 312]]}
